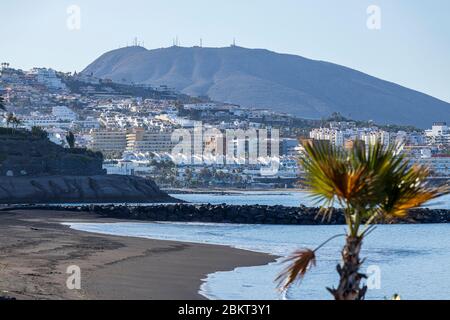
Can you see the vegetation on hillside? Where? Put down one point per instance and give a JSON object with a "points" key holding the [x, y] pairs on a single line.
{"points": [[12, 120], [337, 117], [70, 138], [38, 132], [2, 103]]}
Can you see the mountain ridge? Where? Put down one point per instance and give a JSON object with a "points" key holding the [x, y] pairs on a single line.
{"points": [[259, 78]]}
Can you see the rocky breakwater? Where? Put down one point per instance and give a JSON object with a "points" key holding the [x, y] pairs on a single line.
{"points": [[239, 214], [80, 189]]}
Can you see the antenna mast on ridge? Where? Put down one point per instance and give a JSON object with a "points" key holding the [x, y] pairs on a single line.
{"points": [[176, 41]]}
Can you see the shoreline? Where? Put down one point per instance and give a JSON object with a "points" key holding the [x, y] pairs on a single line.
{"points": [[36, 249], [229, 191]]}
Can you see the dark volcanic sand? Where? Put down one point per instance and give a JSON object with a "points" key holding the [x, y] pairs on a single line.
{"points": [[35, 251]]}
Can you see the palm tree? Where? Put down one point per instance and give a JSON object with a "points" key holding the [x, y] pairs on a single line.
{"points": [[70, 138], [2, 103], [9, 119], [16, 122], [12, 119], [372, 184], [39, 132]]}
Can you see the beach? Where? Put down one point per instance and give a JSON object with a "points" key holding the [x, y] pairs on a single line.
{"points": [[36, 250]]}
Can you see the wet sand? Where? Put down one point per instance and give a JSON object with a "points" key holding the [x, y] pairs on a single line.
{"points": [[36, 250]]}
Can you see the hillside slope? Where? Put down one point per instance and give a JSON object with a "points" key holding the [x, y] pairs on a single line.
{"points": [[264, 79], [35, 170]]}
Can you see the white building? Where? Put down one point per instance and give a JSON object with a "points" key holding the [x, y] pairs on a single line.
{"points": [[439, 134], [43, 122], [201, 106], [141, 140], [370, 138], [336, 137], [109, 141], [439, 164], [122, 167], [88, 123], [63, 113], [47, 77]]}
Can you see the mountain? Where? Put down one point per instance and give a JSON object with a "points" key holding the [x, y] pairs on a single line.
{"points": [[263, 79]]}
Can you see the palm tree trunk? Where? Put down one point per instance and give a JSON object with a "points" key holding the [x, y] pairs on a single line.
{"points": [[350, 279]]}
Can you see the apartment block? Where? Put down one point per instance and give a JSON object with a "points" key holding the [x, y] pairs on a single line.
{"points": [[140, 140], [109, 141]]}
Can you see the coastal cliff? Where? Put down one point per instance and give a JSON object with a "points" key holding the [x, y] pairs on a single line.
{"points": [[80, 189], [34, 170]]}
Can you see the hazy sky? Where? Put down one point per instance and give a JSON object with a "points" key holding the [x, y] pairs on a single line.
{"points": [[412, 47]]}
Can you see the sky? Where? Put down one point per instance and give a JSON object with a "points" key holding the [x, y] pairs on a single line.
{"points": [[410, 45]]}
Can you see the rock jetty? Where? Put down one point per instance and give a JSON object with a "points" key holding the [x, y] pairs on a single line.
{"points": [[255, 214]]}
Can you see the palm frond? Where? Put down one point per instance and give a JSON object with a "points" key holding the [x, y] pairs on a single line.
{"points": [[333, 174], [300, 262], [407, 189], [374, 182]]}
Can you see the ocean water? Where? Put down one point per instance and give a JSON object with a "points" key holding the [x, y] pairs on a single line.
{"points": [[284, 198], [410, 260]]}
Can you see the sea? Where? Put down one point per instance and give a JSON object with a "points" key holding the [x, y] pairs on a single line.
{"points": [[410, 260]]}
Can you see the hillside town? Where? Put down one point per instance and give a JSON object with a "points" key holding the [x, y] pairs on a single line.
{"points": [[187, 142]]}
